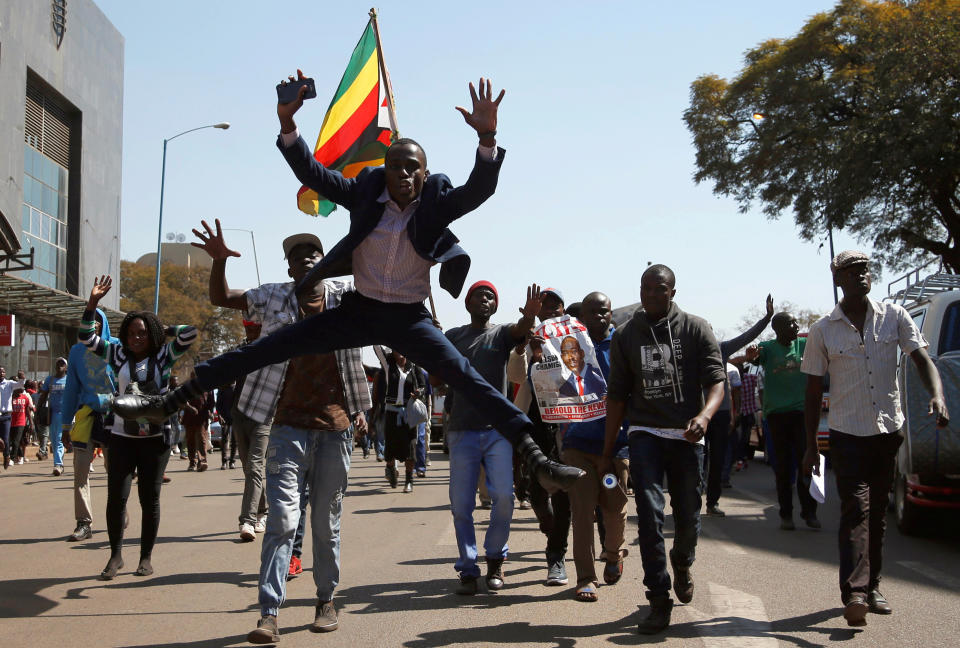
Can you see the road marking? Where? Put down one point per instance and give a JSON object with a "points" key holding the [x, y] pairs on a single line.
{"points": [[935, 575], [737, 619], [722, 539]]}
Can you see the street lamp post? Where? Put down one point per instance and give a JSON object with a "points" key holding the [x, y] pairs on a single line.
{"points": [[163, 173], [256, 264]]}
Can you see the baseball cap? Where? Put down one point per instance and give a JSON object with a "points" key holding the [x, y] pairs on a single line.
{"points": [[293, 241], [553, 291]]}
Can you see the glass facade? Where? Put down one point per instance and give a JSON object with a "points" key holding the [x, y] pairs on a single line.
{"points": [[34, 352], [44, 218]]}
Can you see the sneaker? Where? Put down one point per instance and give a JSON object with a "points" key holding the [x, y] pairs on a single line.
{"points": [[659, 618], [296, 568], [266, 631], [855, 611], [740, 465], [82, 532], [325, 619], [184, 455], [524, 505], [786, 524], [247, 533], [379, 457], [261, 524], [232, 465], [92, 469], [191, 467], [556, 572], [421, 473], [408, 487], [467, 586], [714, 511], [57, 471], [202, 467], [20, 461]]}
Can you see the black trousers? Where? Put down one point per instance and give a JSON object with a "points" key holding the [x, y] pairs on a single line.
{"points": [[718, 435], [789, 443], [552, 511], [148, 457], [864, 467]]}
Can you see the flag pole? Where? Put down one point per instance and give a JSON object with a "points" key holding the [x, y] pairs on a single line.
{"points": [[391, 106]]}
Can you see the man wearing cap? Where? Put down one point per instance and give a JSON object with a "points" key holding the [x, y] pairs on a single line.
{"points": [[311, 405], [473, 444], [399, 218], [857, 343]]}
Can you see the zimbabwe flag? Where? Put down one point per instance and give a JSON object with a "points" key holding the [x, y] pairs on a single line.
{"points": [[357, 128]]}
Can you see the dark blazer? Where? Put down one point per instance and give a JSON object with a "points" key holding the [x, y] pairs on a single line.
{"points": [[593, 383], [440, 204]]}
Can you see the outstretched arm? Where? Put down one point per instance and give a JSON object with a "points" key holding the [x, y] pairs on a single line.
{"points": [[527, 313], [87, 333], [483, 115], [213, 244], [727, 347]]}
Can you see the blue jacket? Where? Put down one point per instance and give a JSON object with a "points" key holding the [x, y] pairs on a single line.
{"points": [[89, 380], [440, 204], [588, 436]]}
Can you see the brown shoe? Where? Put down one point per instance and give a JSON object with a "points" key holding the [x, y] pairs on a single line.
{"points": [[266, 631], [325, 619]]}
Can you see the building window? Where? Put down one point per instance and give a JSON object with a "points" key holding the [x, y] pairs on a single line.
{"points": [[46, 159]]}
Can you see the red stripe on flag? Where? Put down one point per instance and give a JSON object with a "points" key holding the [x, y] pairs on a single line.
{"points": [[350, 131]]}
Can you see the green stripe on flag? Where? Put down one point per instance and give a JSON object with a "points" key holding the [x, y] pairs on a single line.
{"points": [[365, 47]]}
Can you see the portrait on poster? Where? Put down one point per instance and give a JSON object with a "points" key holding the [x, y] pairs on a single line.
{"points": [[567, 381]]}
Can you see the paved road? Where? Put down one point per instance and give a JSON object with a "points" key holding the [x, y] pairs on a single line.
{"points": [[755, 585]]}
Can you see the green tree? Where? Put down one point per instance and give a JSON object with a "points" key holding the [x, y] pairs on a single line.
{"points": [[854, 124], [184, 299]]}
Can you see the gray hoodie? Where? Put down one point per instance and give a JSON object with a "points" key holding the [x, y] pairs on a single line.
{"points": [[661, 368]]}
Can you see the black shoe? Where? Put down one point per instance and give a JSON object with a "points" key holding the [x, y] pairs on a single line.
{"points": [[786, 524], [682, 583], [139, 406], [82, 532], [266, 631], [659, 618], [494, 573], [468, 586], [878, 604], [551, 475], [812, 522], [855, 611], [714, 511]]}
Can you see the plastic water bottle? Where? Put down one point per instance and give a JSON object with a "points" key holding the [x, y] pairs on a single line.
{"points": [[610, 481]]}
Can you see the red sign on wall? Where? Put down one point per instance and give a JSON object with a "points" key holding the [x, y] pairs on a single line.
{"points": [[7, 324]]}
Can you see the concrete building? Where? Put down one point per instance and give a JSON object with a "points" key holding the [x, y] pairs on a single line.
{"points": [[61, 117], [181, 254]]}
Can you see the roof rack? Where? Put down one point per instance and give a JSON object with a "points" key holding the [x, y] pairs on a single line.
{"points": [[915, 289]]}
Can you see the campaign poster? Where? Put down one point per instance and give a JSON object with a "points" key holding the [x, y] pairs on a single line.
{"points": [[567, 382]]}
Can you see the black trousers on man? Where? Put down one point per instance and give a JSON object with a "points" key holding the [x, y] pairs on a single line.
{"points": [[864, 467], [718, 436], [789, 440]]}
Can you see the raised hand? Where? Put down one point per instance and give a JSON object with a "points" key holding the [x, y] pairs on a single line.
{"points": [[101, 286], [286, 111], [533, 303], [212, 242], [483, 116], [769, 305]]}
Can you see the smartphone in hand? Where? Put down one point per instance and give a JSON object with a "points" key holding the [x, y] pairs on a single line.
{"points": [[287, 92]]}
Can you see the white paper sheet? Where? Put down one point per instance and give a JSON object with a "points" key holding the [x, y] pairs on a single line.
{"points": [[817, 487]]}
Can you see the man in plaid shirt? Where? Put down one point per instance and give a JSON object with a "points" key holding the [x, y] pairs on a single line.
{"points": [[314, 402]]}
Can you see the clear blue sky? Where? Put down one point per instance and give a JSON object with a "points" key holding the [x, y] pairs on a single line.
{"points": [[597, 178]]}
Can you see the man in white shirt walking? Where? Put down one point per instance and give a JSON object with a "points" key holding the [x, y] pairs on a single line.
{"points": [[857, 343]]}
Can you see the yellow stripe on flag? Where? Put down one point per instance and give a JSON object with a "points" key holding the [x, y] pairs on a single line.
{"points": [[308, 202], [352, 170], [350, 101]]}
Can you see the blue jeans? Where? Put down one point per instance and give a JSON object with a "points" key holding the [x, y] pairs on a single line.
{"points": [[652, 457], [56, 437], [302, 525], [293, 455], [420, 462], [360, 321], [468, 451]]}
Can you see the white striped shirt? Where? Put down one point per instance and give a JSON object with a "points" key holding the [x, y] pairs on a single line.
{"points": [[864, 397]]}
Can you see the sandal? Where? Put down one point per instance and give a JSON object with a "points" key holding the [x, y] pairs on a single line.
{"points": [[586, 593], [614, 569]]}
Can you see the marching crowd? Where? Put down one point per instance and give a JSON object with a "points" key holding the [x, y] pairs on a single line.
{"points": [[683, 411]]}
